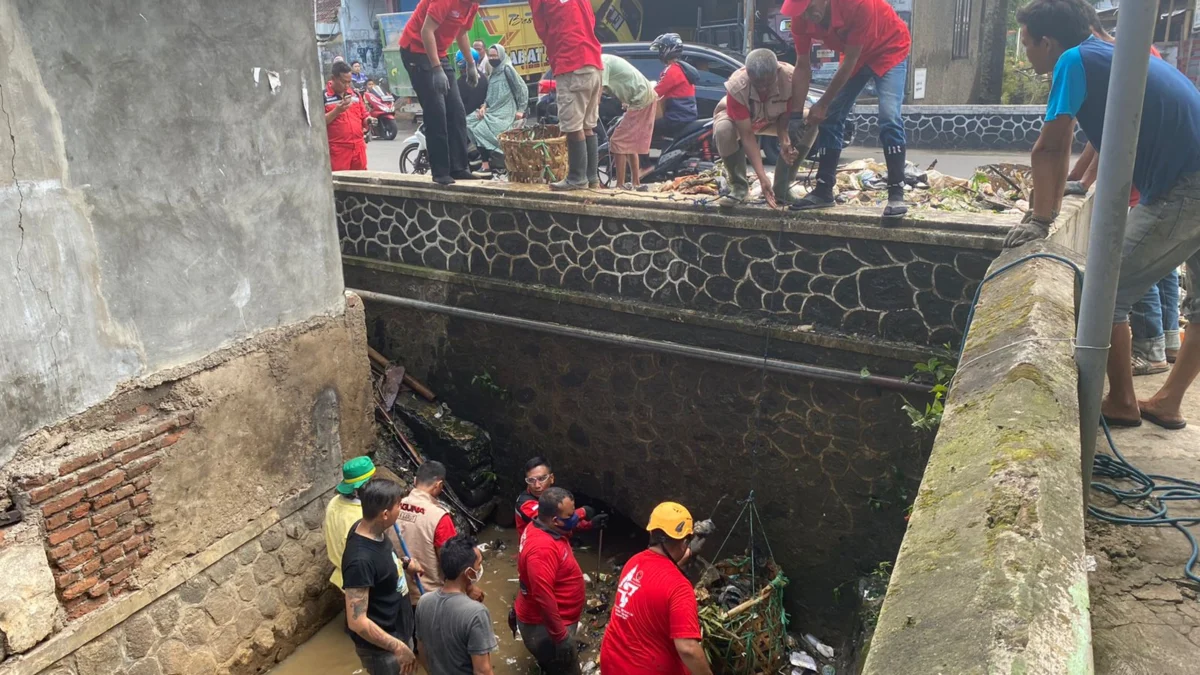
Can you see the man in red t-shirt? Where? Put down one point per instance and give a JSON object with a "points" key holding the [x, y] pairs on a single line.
{"points": [[874, 43], [538, 478], [676, 88], [432, 28], [568, 29], [655, 624], [345, 119], [551, 598]]}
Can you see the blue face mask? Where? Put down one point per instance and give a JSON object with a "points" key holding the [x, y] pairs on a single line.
{"points": [[570, 523]]}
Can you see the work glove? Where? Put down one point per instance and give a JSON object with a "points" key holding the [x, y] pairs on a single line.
{"points": [[796, 127], [441, 83], [1030, 229], [472, 75], [588, 512], [1075, 187], [600, 521], [564, 652]]}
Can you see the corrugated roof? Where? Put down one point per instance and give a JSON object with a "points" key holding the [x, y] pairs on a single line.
{"points": [[326, 11]]}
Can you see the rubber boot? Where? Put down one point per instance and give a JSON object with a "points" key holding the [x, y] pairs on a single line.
{"points": [[785, 175], [576, 168], [739, 185], [896, 208], [593, 162], [821, 196]]}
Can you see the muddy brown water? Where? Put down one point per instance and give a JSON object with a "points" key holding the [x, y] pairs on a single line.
{"points": [[331, 651]]}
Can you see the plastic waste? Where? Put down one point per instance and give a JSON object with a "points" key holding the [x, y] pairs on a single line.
{"points": [[828, 670], [802, 660], [822, 648]]}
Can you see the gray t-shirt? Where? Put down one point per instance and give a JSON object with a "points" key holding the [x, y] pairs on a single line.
{"points": [[452, 628]]}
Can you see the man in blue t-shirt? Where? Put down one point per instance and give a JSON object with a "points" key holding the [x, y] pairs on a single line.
{"points": [[1163, 230]]}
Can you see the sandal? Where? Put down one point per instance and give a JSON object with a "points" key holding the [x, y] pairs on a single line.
{"points": [[1142, 366]]}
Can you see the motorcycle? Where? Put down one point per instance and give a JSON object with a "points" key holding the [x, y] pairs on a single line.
{"points": [[690, 152], [381, 106], [413, 157]]}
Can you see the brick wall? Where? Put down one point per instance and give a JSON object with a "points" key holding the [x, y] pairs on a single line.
{"points": [[96, 506]]}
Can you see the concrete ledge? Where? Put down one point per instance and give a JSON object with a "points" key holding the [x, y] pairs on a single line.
{"points": [[990, 576]]}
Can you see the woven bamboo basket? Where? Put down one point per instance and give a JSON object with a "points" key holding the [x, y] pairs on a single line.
{"points": [[535, 154], [750, 638]]}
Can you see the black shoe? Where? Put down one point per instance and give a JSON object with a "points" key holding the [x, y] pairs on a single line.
{"points": [[813, 200], [443, 180], [896, 208], [469, 175]]}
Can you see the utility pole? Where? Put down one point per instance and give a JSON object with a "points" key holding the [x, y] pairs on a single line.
{"points": [[1126, 91], [748, 8]]}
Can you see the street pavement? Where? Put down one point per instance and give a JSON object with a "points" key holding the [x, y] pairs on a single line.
{"points": [[385, 156]]}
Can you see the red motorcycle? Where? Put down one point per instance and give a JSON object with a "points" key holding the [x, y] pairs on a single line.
{"points": [[381, 106]]}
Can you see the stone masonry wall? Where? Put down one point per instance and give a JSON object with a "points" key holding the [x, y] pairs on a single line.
{"points": [[904, 292], [239, 616]]}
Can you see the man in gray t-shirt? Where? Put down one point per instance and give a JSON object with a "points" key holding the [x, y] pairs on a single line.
{"points": [[454, 633]]}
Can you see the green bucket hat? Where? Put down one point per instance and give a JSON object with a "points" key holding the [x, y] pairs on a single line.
{"points": [[355, 474]]}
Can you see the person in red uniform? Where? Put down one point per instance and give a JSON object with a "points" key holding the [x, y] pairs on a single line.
{"points": [[568, 29], [345, 119], [538, 477], [432, 28], [676, 87], [655, 624], [551, 595], [874, 43]]}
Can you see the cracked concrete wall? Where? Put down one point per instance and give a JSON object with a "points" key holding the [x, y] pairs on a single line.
{"points": [[156, 202]]}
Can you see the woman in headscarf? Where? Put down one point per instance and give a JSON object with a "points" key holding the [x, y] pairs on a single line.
{"points": [[507, 97]]}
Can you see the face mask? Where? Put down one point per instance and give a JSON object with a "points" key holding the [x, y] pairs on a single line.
{"points": [[495, 62], [478, 575], [570, 523]]}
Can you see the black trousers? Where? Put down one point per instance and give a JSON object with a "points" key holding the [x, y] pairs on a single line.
{"points": [[445, 117], [539, 643]]}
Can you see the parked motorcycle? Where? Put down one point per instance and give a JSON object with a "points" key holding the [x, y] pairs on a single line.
{"points": [[413, 157], [690, 152], [381, 106]]}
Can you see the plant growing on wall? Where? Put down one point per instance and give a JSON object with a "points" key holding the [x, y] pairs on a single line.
{"points": [[937, 373], [487, 383]]}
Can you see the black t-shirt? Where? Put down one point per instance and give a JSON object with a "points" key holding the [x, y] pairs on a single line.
{"points": [[371, 564]]}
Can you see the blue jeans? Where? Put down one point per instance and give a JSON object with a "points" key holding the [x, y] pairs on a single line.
{"points": [[1154, 320], [890, 86]]}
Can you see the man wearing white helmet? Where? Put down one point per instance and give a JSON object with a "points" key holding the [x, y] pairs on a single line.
{"points": [[655, 619]]}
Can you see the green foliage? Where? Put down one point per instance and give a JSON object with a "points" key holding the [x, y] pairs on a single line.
{"points": [[937, 373], [1022, 86], [487, 383]]}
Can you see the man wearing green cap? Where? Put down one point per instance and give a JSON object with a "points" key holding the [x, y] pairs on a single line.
{"points": [[345, 509]]}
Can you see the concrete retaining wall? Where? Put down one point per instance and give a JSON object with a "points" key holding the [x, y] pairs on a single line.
{"points": [[991, 577], [960, 127]]}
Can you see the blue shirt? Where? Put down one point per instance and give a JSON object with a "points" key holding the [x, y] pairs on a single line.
{"points": [[1169, 136]]}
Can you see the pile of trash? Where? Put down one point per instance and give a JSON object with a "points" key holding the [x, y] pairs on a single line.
{"points": [[709, 182], [809, 655], [1002, 188], [742, 616]]}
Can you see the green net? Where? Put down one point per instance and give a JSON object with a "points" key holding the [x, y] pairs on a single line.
{"points": [[750, 637]]}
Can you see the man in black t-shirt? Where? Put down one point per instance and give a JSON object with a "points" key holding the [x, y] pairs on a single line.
{"points": [[379, 616]]}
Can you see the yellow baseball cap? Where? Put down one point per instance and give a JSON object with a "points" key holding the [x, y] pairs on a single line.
{"points": [[673, 519]]}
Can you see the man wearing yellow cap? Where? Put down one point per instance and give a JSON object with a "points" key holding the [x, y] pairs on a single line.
{"points": [[345, 509], [655, 619]]}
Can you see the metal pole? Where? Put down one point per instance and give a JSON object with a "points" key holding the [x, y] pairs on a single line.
{"points": [[1126, 90], [675, 349], [748, 28]]}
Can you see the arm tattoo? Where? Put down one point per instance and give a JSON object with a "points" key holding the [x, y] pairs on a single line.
{"points": [[357, 600]]}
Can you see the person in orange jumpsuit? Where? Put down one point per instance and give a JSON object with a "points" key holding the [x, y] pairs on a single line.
{"points": [[345, 119]]}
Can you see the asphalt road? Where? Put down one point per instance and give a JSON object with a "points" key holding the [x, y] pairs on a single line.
{"points": [[385, 156]]}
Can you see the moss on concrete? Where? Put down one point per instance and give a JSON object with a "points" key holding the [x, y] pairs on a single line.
{"points": [[989, 578]]}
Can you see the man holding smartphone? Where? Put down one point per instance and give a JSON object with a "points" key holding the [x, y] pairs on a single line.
{"points": [[345, 120]]}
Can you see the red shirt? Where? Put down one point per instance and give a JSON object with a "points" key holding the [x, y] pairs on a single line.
{"points": [[655, 605], [453, 17], [348, 127], [552, 590], [568, 29], [674, 84], [870, 24], [527, 510], [444, 531]]}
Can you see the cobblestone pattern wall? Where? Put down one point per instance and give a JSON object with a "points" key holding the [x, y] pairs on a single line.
{"points": [[1016, 131], [903, 292], [239, 616], [96, 508], [833, 466]]}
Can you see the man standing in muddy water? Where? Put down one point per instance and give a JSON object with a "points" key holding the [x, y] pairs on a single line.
{"points": [[538, 478]]}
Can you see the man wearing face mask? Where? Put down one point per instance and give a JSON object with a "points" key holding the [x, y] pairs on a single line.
{"points": [[456, 636], [552, 590], [654, 617], [539, 476]]}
